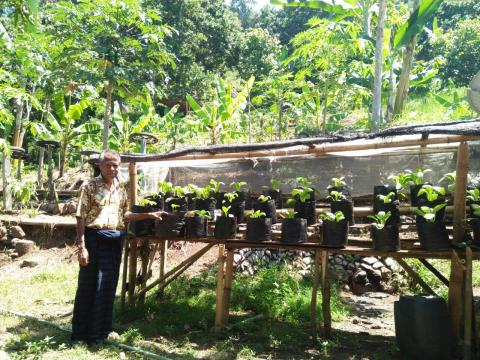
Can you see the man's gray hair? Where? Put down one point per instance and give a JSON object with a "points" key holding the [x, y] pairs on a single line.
{"points": [[109, 153]]}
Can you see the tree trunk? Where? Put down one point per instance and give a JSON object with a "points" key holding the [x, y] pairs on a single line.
{"points": [[28, 106], [318, 111], [280, 120], [63, 157], [18, 122], [377, 84], [107, 114], [391, 95], [325, 107], [402, 88]]}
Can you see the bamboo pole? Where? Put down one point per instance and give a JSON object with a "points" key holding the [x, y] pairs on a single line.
{"points": [[191, 259], [468, 306], [124, 274], [227, 288], [415, 277], [456, 273], [145, 255], [41, 156], [319, 149], [163, 263], [132, 271], [313, 302], [132, 171], [327, 316], [220, 284]]}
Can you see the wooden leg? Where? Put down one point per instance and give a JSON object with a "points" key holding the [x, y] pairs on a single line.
{"points": [[227, 288], [220, 285], [313, 303], [145, 255], [455, 296], [163, 263], [467, 341], [132, 271], [124, 273], [327, 317]]}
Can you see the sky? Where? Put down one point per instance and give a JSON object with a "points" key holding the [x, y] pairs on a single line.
{"points": [[261, 3]]}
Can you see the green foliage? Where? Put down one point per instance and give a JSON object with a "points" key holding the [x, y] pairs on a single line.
{"points": [[226, 211], [337, 182], [274, 184], [131, 335], [23, 191], [290, 214], [473, 195], [431, 192], [415, 177], [475, 209], [165, 187], [301, 181], [238, 185], [230, 196], [336, 196], [204, 192], [380, 219], [257, 214], [204, 214], [429, 213], [387, 199], [216, 185], [333, 217], [451, 178], [264, 199], [303, 194], [147, 202]]}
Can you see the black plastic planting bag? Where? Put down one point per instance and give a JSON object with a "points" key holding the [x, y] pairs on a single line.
{"points": [[294, 231]]}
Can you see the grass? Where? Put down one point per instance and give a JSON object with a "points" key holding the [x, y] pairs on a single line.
{"points": [[178, 325]]}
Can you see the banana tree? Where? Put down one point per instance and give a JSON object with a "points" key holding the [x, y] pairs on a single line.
{"points": [[217, 115], [174, 127], [66, 129]]}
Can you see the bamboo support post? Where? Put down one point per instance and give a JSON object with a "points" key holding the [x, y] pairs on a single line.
{"points": [[7, 195], [151, 259], [416, 278], [219, 295], [124, 274], [163, 263], [327, 316], [132, 171], [434, 271], [132, 271], [468, 306], [456, 272], [41, 156], [145, 256], [188, 261], [313, 302], [227, 288]]}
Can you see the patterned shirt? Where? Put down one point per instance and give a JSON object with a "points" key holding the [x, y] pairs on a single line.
{"points": [[102, 208]]}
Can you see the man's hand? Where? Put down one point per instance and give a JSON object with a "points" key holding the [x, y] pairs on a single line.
{"points": [[83, 256], [157, 215]]}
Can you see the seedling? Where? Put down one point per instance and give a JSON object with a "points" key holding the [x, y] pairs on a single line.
{"points": [[178, 191], [303, 194], [429, 213], [216, 185], [303, 181], [165, 187], [257, 214], [147, 203], [473, 195], [204, 193], [451, 178], [275, 184], [400, 181], [336, 217], [476, 209], [263, 199], [238, 185], [416, 177], [191, 189], [174, 207], [336, 196], [226, 211], [230, 196], [290, 214], [387, 199], [203, 213], [431, 192], [380, 218], [336, 182]]}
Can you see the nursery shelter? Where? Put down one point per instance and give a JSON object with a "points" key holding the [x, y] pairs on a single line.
{"points": [[364, 159]]}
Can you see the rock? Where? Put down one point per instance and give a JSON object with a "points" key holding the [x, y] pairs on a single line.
{"points": [[366, 267], [4, 240], [14, 241], [14, 255], [375, 326], [375, 275], [24, 247], [17, 232], [390, 262], [237, 258], [355, 321], [32, 262], [3, 231], [370, 260], [377, 265], [307, 260]]}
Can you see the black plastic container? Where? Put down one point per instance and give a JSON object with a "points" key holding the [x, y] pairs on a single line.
{"points": [[294, 231], [386, 239], [191, 200], [432, 235], [344, 189], [422, 201], [143, 227], [380, 205], [268, 207], [182, 203], [346, 207], [305, 210], [259, 229], [225, 227], [335, 233], [475, 223], [238, 210], [312, 194], [275, 195], [171, 226], [219, 197], [414, 189], [158, 200], [196, 226], [422, 328], [207, 205]]}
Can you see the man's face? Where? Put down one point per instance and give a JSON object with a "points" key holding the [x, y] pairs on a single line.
{"points": [[109, 167]]}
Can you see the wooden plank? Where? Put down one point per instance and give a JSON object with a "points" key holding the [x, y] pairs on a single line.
{"points": [[415, 277], [327, 316], [313, 302], [434, 271], [227, 288], [455, 302], [132, 271], [468, 306], [220, 285]]}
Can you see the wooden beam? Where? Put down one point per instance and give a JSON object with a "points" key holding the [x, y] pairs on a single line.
{"points": [[327, 316], [227, 287], [220, 285], [468, 306], [416, 278], [455, 302], [132, 171], [132, 271], [144, 255], [313, 302], [434, 271]]}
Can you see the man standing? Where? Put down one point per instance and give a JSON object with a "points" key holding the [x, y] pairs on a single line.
{"points": [[101, 214]]}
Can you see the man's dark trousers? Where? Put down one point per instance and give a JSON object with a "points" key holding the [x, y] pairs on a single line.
{"points": [[97, 283]]}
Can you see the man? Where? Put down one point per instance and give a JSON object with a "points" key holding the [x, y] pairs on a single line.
{"points": [[101, 214]]}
